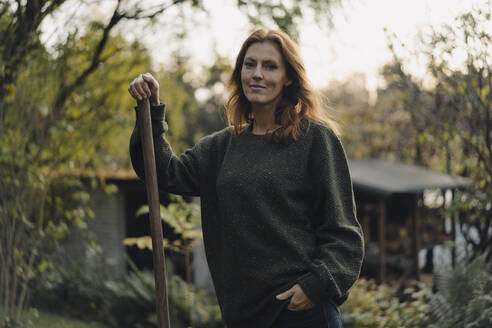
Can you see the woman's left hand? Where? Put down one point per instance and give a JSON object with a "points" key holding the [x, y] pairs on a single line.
{"points": [[299, 300]]}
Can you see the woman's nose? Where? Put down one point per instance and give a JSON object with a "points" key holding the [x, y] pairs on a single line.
{"points": [[257, 74]]}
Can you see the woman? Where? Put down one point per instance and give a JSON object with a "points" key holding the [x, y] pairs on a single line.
{"points": [[281, 236]]}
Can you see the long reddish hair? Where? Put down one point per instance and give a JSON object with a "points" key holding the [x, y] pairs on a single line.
{"points": [[299, 100]]}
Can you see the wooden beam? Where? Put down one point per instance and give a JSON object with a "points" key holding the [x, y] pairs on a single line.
{"points": [[366, 228], [382, 240], [453, 234], [416, 235]]}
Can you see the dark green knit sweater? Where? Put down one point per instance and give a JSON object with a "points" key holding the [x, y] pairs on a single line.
{"points": [[272, 215]]}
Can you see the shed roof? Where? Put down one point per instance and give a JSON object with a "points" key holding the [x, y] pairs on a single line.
{"points": [[384, 177]]}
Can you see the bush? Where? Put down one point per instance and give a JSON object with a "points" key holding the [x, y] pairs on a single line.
{"points": [[76, 287], [37, 319], [374, 306], [192, 304], [464, 297], [85, 289]]}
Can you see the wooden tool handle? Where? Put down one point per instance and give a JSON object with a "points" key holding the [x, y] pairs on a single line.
{"points": [[145, 127]]}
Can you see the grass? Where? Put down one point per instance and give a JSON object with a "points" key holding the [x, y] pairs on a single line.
{"points": [[39, 319]]}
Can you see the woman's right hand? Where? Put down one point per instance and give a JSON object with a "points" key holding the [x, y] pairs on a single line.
{"points": [[145, 86]]}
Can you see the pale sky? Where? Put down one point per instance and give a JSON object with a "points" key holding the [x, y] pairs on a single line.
{"points": [[356, 44]]}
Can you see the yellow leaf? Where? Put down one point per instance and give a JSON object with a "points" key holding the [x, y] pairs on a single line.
{"points": [[75, 113]]}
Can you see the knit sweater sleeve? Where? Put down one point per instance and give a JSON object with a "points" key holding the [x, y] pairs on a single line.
{"points": [[338, 232], [175, 174]]}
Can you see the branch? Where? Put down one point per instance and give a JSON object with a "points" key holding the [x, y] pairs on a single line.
{"points": [[51, 8], [487, 114], [476, 100], [485, 232], [4, 9], [159, 10], [466, 233], [473, 145], [66, 91], [18, 37]]}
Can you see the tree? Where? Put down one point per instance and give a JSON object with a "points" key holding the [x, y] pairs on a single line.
{"points": [[348, 100], [464, 97], [38, 203], [59, 109], [443, 120], [48, 130], [287, 15], [455, 118]]}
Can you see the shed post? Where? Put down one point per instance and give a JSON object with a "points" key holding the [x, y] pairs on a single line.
{"points": [[453, 233], [382, 240], [366, 228], [416, 235]]}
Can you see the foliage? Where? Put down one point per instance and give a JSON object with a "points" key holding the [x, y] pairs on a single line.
{"points": [[455, 116], [202, 114], [287, 15], [39, 143], [463, 100], [76, 287], [193, 306], [348, 101], [49, 105], [182, 217], [41, 319], [47, 131], [377, 306], [473, 210], [86, 290], [441, 120], [182, 108], [62, 113], [134, 300], [464, 298]]}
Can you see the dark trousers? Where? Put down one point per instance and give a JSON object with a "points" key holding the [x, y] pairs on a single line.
{"points": [[324, 315]]}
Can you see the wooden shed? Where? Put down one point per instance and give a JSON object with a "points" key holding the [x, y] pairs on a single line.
{"points": [[115, 219], [389, 196]]}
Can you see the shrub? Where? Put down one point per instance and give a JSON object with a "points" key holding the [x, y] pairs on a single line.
{"points": [[373, 306], [464, 297], [76, 287], [86, 290]]}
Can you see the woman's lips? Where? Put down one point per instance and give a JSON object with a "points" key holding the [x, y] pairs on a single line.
{"points": [[256, 87]]}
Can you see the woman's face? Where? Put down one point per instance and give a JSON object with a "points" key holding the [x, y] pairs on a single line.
{"points": [[263, 74]]}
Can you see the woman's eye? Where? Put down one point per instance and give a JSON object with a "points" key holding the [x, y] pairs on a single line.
{"points": [[247, 64], [271, 67]]}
